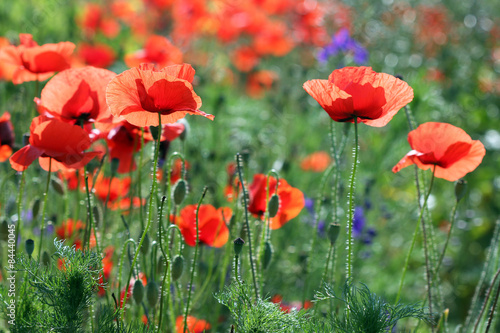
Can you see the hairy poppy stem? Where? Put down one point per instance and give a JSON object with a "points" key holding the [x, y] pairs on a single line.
{"points": [[486, 299], [415, 233], [19, 205], [351, 203], [90, 216], [45, 195], [195, 258], [152, 198], [247, 225], [452, 223]]}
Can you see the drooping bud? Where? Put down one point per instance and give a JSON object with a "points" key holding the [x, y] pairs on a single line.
{"points": [[30, 246], [45, 258], [177, 267], [273, 205], [160, 266], [180, 191], [138, 291], [57, 185], [268, 254], [35, 208], [152, 293], [333, 232], [154, 130], [238, 245], [460, 189]]}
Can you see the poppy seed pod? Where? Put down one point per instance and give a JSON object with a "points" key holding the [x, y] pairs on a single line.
{"points": [[45, 258], [180, 191], [238, 245], [145, 245], [333, 232], [30, 246], [460, 189], [268, 254], [273, 206], [177, 267], [152, 293], [35, 208], [138, 291]]}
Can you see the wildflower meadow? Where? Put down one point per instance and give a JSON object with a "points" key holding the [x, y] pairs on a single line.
{"points": [[258, 166]]}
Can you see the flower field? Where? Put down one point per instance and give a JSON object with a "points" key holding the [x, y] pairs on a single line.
{"points": [[249, 166]]}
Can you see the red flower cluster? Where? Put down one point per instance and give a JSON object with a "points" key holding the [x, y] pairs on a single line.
{"points": [[6, 137]]}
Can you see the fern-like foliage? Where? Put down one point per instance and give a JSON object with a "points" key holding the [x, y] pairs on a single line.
{"points": [[365, 312]]}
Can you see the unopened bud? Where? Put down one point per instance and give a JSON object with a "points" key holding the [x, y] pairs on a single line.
{"points": [[57, 185], [333, 232], [30, 246], [273, 206], [180, 191], [138, 291], [145, 245], [238, 245], [460, 189], [97, 215], [45, 258], [268, 254], [35, 208], [177, 267], [152, 293]]}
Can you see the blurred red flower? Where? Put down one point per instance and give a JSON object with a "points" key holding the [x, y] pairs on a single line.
{"points": [[245, 58], [111, 188], [77, 95], [212, 225], [74, 231], [316, 162], [158, 50], [98, 55], [51, 138], [260, 82], [176, 172], [445, 146], [36, 62], [291, 199], [194, 325], [96, 19], [374, 98], [140, 93], [6, 137]]}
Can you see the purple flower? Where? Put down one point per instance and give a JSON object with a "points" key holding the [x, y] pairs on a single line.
{"points": [[358, 222], [342, 42]]}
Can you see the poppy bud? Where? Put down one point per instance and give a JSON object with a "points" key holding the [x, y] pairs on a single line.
{"points": [[30, 246], [160, 266], [145, 245], [333, 232], [268, 254], [245, 156], [238, 245], [45, 258], [177, 267], [138, 291], [152, 293], [273, 206], [97, 215], [460, 189], [154, 132], [180, 191], [4, 231], [35, 208], [57, 185], [232, 220]]}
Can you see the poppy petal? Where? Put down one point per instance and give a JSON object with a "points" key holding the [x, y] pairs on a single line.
{"points": [[337, 103], [21, 159]]}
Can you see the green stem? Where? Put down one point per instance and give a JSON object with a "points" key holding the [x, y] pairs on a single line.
{"points": [[414, 239], [486, 299], [45, 195], [90, 218], [19, 205], [195, 258], [152, 197], [351, 202], [247, 225], [452, 223]]}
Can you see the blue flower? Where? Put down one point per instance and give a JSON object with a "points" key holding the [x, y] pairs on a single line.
{"points": [[342, 42]]}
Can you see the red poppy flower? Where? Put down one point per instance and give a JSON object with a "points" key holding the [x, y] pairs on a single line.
{"points": [[272, 39], [374, 98], [74, 179], [140, 93], [36, 62], [194, 325], [291, 199], [212, 225], [158, 50], [316, 162], [126, 204], [260, 82], [77, 95], [98, 55], [51, 138], [6, 70], [287, 307], [245, 58], [6, 137], [74, 230], [95, 19], [445, 146], [175, 173], [112, 189]]}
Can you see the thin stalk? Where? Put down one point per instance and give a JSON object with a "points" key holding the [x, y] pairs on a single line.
{"points": [[195, 258], [45, 195], [327, 263], [152, 197], [488, 294], [120, 264], [415, 233], [351, 203], [247, 225], [19, 205], [452, 223], [90, 216], [492, 312]]}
